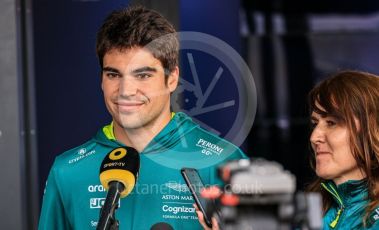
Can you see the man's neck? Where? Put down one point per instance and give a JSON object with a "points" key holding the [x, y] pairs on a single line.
{"points": [[139, 138]]}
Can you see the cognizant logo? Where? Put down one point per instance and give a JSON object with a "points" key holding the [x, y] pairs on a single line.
{"points": [[177, 209]]}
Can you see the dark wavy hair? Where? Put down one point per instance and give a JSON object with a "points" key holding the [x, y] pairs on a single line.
{"points": [[137, 26], [352, 96]]}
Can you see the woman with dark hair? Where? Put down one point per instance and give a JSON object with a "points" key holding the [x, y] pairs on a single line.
{"points": [[345, 141]]}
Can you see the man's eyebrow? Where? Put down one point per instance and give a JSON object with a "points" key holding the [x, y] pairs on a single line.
{"points": [[145, 69], [110, 69]]}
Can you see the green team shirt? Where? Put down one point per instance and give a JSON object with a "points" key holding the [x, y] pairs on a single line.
{"points": [[347, 211], [74, 195]]}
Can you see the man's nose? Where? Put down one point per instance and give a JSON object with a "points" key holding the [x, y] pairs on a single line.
{"points": [[127, 87]]}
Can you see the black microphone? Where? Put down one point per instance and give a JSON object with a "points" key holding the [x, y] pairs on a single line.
{"points": [[118, 175], [161, 226]]}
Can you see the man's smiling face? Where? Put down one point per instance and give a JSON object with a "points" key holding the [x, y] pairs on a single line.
{"points": [[136, 93]]}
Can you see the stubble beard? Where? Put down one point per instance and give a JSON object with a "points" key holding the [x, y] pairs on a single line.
{"points": [[135, 121]]}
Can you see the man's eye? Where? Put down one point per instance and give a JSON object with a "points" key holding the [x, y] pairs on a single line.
{"points": [[143, 76], [112, 75]]}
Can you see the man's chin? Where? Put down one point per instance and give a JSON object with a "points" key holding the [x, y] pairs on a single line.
{"points": [[132, 124]]}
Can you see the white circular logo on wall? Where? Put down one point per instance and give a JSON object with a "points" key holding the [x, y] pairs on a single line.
{"points": [[193, 97]]}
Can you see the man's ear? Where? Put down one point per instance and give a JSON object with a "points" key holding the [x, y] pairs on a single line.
{"points": [[173, 79]]}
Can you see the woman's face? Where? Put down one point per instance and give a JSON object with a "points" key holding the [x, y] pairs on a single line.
{"points": [[331, 146]]}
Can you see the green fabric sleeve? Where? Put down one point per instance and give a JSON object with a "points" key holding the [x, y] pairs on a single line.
{"points": [[52, 213]]}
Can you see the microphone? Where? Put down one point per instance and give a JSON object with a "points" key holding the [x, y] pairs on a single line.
{"points": [[118, 175], [161, 226]]}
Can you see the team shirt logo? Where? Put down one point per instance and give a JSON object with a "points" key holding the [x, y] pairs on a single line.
{"points": [[209, 148]]}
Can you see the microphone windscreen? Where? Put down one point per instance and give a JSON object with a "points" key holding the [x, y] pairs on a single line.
{"points": [[122, 165], [161, 226]]}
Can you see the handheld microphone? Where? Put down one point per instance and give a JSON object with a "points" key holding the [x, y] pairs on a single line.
{"points": [[118, 175], [161, 226]]}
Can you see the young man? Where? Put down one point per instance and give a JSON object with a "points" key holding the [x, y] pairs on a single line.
{"points": [[138, 54]]}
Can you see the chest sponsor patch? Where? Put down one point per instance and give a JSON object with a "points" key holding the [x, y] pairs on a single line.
{"points": [[209, 148], [177, 203], [82, 153]]}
